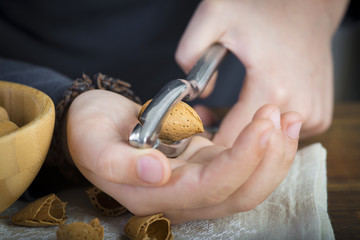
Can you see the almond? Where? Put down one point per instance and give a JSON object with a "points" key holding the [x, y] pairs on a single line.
{"points": [[181, 122], [7, 127], [3, 114]]}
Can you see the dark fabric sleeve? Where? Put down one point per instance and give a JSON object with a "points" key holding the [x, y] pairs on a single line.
{"points": [[353, 11], [44, 79]]}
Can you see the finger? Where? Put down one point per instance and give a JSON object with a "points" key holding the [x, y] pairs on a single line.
{"points": [[273, 168], [204, 29], [291, 124], [241, 200], [98, 141], [319, 120], [229, 169], [233, 167], [197, 142], [235, 120], [269, 174], [271, 112], [210, 86]]}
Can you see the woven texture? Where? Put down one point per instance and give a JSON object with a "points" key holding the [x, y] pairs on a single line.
{"points": [[297, 209]]}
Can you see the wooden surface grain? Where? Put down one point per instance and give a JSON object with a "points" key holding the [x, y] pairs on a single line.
{"points": [[23, 150], [342, 142]]}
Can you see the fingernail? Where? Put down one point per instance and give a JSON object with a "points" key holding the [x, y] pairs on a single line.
{"points": [[275, 118], [293, 130], [149, 169], [265, 138]]}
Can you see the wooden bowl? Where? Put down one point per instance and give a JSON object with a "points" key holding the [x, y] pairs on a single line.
{"points": [[23, 151]]}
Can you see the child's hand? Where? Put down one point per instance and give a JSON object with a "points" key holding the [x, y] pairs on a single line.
{"points": [[207, 181]]}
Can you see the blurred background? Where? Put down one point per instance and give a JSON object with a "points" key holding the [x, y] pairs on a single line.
{"points": [[346, 52]]}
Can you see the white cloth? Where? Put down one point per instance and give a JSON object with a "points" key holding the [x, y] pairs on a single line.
{"points": [[297, 209]]}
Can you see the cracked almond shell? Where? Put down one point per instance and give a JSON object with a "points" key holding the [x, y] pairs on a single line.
{"points": [[81, 231], [106, 205], [148, 227], [3, 114], [46, 211]]}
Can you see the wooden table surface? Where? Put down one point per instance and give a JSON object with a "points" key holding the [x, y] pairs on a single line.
{"points": [[342, 142]]}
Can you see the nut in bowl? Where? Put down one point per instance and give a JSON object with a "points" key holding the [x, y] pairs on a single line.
{"points": [[28, 118]]}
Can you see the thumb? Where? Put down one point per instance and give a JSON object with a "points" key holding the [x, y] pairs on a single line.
{"points": [[128, 165], [119, 162]]}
